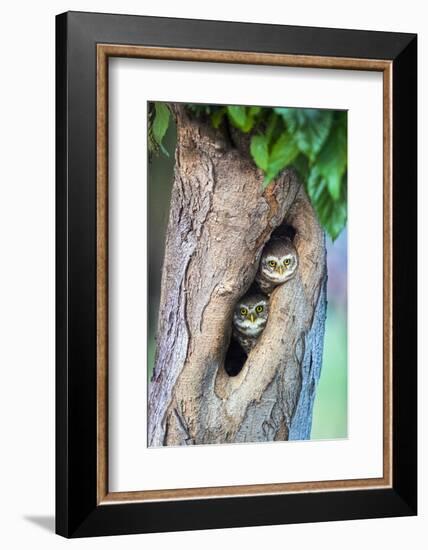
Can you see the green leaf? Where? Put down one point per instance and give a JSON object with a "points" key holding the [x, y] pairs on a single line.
{"points": [[301, 164], [160, 124], [254, 111], [259, 151], [289, 116], [312, 135], [237, 115], [331, 213], [283, 152], [310, 128], [332, 159], [274, 127], [217, 116]]}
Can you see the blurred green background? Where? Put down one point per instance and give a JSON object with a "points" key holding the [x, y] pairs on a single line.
{"points": [[330, 409]]}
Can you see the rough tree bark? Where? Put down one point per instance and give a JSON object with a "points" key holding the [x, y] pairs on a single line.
{"points": [[219, 221]]}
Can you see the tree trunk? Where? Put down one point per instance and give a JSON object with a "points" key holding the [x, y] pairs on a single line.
{"points": [[220, 219]]}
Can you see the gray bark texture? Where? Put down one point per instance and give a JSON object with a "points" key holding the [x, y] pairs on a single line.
{"points": [[220, 219]]}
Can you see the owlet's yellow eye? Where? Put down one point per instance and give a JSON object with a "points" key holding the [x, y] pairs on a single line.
{"points": [[244, 311], [272, 263], [287, 262], [259, 309]]}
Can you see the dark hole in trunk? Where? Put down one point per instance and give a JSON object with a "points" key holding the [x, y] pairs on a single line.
{"points": [[235, 356], [284, 231]]}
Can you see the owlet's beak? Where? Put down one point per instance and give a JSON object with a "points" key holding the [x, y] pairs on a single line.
{"points": [[280, 269], [251, 317]]}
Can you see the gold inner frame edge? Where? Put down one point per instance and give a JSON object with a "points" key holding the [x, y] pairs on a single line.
{"points": [[104, 51]]}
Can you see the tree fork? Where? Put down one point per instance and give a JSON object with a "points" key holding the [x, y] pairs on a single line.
{"points": [[220, 219]]}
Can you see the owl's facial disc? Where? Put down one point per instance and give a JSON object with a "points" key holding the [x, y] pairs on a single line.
{"points": [[279, 270], [250, 320]]}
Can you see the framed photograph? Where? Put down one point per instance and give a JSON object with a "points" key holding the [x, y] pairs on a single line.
{"points": [[236, 274]]}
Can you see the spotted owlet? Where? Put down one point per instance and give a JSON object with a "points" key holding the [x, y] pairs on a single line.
{"points": [[249, 319], [278, 264]]}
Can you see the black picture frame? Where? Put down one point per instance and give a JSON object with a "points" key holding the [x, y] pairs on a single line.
{"points": [[78, 513]]}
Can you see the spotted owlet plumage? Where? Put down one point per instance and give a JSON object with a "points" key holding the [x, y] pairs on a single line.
{"points": [[278, 264], [249, 319]]}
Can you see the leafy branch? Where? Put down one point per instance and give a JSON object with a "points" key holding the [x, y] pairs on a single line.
{"points": [[312, 141]]}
